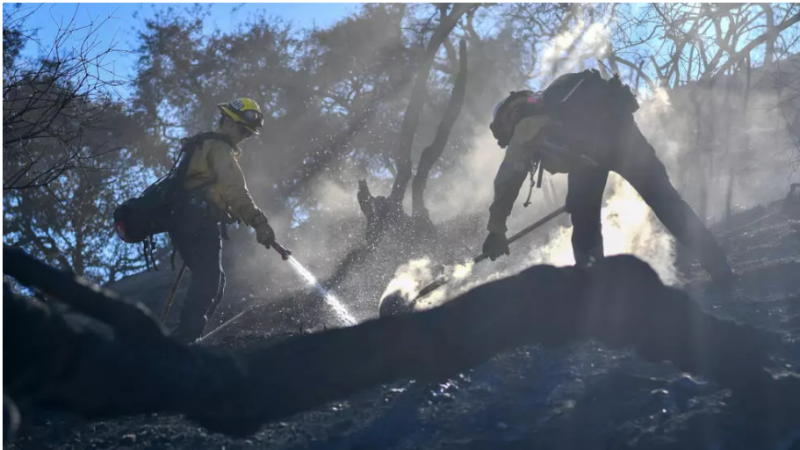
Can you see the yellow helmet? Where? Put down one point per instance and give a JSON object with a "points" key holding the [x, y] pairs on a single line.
{"points": [[245, 111]]}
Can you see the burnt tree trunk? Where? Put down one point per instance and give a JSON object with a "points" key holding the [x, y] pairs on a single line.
{"points": [[620, 302], [433, 152], [385, 214], [411, 117]]}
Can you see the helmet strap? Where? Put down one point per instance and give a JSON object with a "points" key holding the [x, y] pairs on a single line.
{"points": [[244, 131]]}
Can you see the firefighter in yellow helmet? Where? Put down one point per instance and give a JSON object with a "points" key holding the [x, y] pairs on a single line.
{"points": [[215, 195]]}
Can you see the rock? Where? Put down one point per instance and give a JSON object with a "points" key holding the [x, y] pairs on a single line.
{"points": [[395, 303], [663, 402], [690, 384]]}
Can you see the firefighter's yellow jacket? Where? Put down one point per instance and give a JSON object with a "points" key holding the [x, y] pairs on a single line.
{"points": [[215, 169]]}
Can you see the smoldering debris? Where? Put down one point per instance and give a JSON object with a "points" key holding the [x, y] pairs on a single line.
{"points": [[629, 227], [401, 295]]}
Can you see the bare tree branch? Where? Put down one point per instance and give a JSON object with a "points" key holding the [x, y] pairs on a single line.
{"points": [[411, 117], [618, 302], [745, 51], [59, 99], [434, 151]]}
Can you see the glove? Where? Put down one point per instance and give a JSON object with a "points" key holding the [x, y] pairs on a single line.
{"points": [[265, 235], [495, 246]]}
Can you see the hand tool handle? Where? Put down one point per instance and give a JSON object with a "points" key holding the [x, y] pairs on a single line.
{"points": [[443, 280], [172, 291], [526, 230]]}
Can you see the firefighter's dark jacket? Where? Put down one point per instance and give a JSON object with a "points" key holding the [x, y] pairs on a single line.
{"points": [[514, 169]]}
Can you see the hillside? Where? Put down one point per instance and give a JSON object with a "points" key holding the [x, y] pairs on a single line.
{"points": [[578, 396]]}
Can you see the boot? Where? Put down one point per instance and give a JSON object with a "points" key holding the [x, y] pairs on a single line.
{"points": [[588, 258]]}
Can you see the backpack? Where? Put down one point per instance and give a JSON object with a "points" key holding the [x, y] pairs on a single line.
{"points": [[587, 94], [583, 98], [139, 219]]}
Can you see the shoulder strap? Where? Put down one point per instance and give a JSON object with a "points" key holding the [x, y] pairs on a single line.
{"points": [[189, 145], [215, 136], [188, 148]]}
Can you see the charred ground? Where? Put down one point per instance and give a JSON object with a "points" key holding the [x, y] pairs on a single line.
{"points": [[558, 395]]}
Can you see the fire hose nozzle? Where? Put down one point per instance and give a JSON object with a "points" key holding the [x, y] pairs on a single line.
{"points": [[284, 252]]}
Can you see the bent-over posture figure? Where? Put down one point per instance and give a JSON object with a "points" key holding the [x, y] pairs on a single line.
{"points": [[583, 125]]}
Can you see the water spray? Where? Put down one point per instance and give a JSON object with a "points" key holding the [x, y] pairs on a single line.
{"points": [[443, 280], [311, 280], [330, 299], [341, 312]]}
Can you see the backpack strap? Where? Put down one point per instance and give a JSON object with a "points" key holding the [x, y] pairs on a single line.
{"points": [[188, 147], [558, 93], [217, 136], [187, 150]]}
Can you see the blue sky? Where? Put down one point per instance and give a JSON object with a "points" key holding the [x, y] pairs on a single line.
{"points": [[123, 21]]}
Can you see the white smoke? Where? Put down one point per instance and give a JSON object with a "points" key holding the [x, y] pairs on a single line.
{"points": [[469, 188], [412, 277], [569, 51], [628, 224], [714, 137], [629, 227]]}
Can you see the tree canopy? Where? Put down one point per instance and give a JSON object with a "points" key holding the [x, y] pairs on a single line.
{"points": [[359, 100]]}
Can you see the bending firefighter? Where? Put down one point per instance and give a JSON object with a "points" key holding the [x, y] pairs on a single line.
{"points": [[215, 194], [583, 125]]}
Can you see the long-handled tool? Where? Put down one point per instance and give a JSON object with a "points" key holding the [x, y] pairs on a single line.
{"points": [[172, 291], [443, 280], [223, 326]]}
